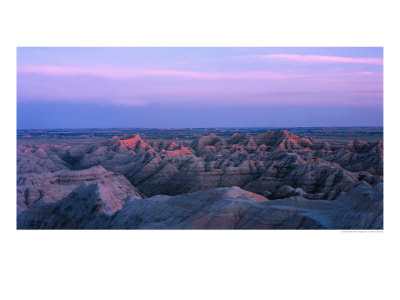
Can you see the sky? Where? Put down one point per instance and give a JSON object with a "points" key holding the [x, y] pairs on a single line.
{"points": [[199, 87]]}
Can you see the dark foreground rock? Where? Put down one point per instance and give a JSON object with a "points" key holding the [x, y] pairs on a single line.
{"points": [[51, 187], [90, 207]]}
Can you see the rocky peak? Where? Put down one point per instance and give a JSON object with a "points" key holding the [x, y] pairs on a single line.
{"points": [[93, 196], [135, 142], [202, 142], [282, 139], [173, 146], [357, 145]]}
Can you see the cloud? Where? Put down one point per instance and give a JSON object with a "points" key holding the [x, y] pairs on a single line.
{"points": [[121, 73], [153, 86], [367, 73], [320, 59]]}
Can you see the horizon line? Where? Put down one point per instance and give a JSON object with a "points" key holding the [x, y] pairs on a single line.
{"points": [[194, 128]]}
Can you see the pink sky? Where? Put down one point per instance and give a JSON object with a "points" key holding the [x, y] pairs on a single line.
{"points": [[320, 59], [251, 77]]}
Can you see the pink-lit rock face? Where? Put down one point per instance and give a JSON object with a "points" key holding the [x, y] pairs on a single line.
{"points": [[282, 139], [34, 150], [134, 143], [270, 165], [173, 146], [211, 161], [180, 151], [185, 150]]}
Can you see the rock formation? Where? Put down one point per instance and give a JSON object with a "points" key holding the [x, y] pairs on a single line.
{"points": [[221, 208], [51, 187], [276, 164]]}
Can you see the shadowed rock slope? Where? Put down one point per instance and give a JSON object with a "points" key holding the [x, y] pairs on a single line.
{"points": [[274, 165], [261, 164], [90, 207], [51, 187]]}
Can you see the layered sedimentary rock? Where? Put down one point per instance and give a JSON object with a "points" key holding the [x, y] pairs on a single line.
{"points": [[277, 165], [35, 159], [221, 208], [51, 187], [262, 163], [89, 206]]}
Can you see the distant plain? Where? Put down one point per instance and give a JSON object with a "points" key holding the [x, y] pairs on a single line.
{"points": [[333, 135]]}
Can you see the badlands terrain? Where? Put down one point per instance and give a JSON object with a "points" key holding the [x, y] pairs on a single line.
{"points": [[238, 178]]}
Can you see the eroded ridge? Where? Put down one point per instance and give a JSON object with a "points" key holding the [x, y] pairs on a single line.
{"points": [[275, 179]]}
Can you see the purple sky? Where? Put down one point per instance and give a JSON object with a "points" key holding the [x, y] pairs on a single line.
{"points": [[199, 87]]}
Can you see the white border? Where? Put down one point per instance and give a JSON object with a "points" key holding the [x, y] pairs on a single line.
{"points": [[198, 264]]}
